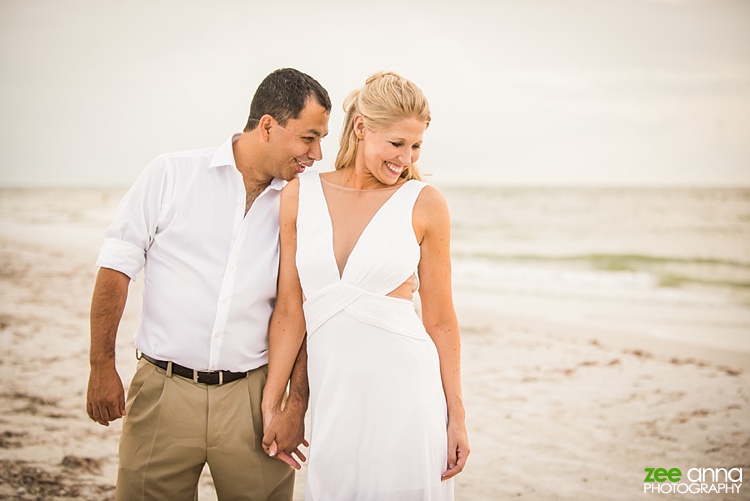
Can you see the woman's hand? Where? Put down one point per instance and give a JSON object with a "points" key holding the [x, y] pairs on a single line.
{"points": [[283, 433], [458, 448]]}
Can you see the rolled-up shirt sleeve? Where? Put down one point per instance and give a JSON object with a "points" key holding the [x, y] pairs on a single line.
{"points": [[136, 222]]}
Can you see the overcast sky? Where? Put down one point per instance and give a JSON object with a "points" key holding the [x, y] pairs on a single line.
{"points": [[529, 92]]}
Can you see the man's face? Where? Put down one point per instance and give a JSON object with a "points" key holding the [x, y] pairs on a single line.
{"points": [[295, 146]]}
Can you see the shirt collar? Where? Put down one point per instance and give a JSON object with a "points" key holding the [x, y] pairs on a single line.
{"points": [[224, 157]]}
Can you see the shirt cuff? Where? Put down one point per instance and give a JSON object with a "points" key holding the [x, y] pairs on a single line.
{"points": [[121, 256]]}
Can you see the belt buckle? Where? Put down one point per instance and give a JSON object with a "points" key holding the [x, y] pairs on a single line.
{"points": [[197, 373]]}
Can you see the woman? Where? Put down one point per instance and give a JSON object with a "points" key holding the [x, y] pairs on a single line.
{"points": [[387, 414]]}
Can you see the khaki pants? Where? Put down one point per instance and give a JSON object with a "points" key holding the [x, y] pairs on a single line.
{"points": [[174, 426]]}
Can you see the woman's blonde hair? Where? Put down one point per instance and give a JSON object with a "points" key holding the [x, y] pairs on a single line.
{"points": [[385, 99]]}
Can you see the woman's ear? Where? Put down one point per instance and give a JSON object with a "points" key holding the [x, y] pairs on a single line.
{"points": [[359, 126]]}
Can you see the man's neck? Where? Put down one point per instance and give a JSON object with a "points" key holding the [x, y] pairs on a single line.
{"points": [[249, 166], [249, 163]]}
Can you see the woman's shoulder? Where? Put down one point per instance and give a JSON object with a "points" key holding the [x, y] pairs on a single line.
{"points": [[431, 198], [431, 209], [291, 186], [290, 192]]}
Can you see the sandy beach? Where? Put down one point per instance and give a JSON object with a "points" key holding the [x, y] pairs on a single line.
{"points": [[556, 410]]}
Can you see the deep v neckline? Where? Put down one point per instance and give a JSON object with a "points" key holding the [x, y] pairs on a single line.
{"points": [[341, 273]]}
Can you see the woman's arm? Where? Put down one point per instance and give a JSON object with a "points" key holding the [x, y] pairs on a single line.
{"points": [[432, 225], [287, 327]]}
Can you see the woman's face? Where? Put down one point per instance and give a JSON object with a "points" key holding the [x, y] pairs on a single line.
{"points": [[386, 153]]}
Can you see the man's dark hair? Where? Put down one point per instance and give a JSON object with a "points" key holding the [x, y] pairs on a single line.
{"points": [[283, 94]]}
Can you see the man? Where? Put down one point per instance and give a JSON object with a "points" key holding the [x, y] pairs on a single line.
{"points": [[203, 225]]}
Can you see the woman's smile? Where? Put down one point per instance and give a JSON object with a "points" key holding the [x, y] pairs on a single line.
{"points": [[394, 168]]}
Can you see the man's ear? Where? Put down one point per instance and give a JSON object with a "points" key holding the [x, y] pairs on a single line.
{"points": [[264, 126]]}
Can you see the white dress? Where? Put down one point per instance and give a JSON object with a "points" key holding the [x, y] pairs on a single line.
{"points": [[377, 403]]}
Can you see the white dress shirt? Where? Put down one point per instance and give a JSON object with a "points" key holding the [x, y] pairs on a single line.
{"points": [[210, 271]]}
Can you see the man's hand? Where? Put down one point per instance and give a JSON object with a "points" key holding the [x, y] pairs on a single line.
{"points": [[284, 431], [105, 399]]}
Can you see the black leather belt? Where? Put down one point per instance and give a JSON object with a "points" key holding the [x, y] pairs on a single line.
{"points": [[204, 377]]}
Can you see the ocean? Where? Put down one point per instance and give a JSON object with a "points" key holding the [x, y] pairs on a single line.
{"points": [[660, 238], [673, 262], [668, 263]]}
